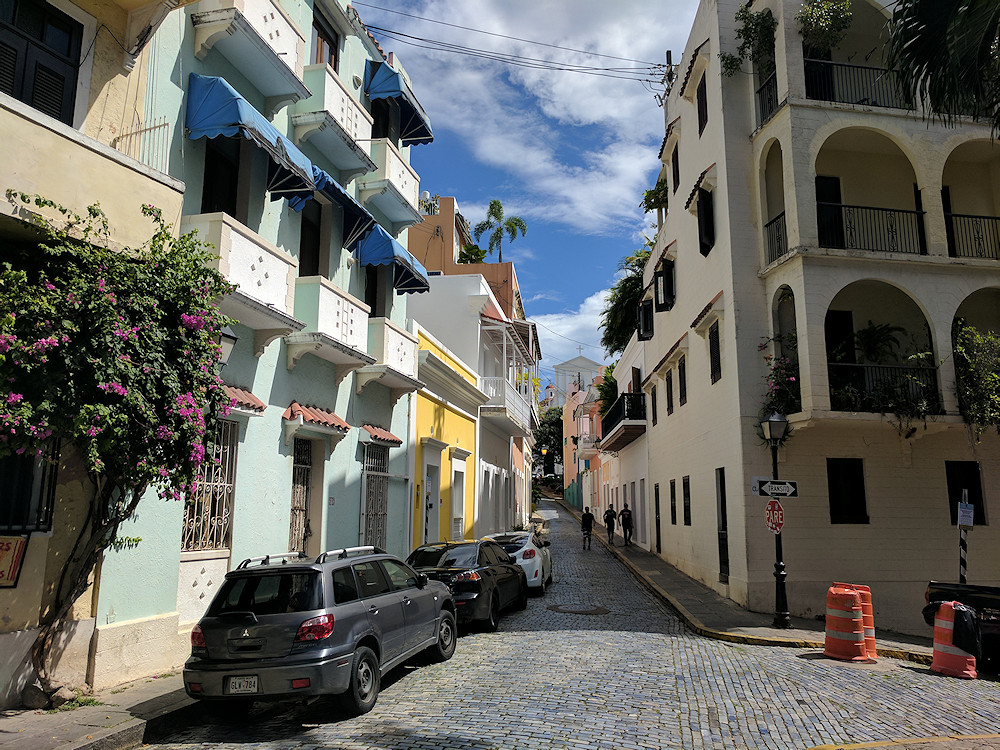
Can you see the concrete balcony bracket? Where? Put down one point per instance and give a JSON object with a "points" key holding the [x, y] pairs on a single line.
{"points": [[395, 382], [261, 338]]}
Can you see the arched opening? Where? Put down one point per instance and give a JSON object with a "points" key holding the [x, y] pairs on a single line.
{"points": [[773, 208], [867, 196], [970, 194], [784, 392], [880, 352], [975, 339]]}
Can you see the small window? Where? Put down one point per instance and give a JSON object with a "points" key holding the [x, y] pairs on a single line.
{"points": [[309, 239], [706, 221], [675, 169], [964, 475], [345, 586], [702, 97], [715, 352], [668, 390], [686, 489], [663, 287], [222, 176], [400, 576], [325, 41], [371, 580], [845, 479], [673, 502], [644, 319], [27, 491], [385, 120], [375, 282], [682, 383], [652, 402]]}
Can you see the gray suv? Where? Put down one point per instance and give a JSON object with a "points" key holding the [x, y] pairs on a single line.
{"points": [[283, 626]]}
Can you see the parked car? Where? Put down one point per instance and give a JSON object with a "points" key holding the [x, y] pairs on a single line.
{"points": [[283, 626], [484, 580], [531, 553]]}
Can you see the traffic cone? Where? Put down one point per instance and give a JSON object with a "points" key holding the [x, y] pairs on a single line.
{"points": [[867, 616], [948, 658], [845, 631]]}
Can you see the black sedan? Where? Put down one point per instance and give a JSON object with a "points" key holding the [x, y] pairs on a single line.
{"points": [[482, 577]]}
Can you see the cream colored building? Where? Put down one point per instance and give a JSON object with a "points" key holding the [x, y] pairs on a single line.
{"points": [[814, 207]]}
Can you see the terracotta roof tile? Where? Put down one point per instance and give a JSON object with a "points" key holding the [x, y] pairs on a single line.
{"points": [[697, 184], [315, 415], [381, 435], [694, 56], [706, 310], [243, 399]]}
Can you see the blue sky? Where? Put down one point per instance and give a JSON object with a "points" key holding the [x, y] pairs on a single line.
{"points": [[569, 153]]}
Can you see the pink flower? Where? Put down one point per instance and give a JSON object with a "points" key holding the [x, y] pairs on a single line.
{"points": [[13, 398]]}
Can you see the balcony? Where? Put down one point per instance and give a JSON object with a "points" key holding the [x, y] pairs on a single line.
{"points": [[121, 185], [852, 84], [767, 99], [776, 238], [624, 421], [392, 188], [261, 41], [336, 326], [264, 275], [395, 359], [884, 389], [334, 122], [886, 230], [973, 236], [505, 406], [588, 446]]}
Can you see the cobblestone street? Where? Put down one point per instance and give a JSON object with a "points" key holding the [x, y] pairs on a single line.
{"points": [[625, 676]]}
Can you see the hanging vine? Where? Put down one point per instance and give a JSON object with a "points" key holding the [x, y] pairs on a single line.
{"points": [[756, 36]]}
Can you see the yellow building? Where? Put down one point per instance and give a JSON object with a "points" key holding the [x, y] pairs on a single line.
{"points": [[444, 429]]}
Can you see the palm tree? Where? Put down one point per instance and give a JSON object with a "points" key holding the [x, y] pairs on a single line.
{"points": [[618, 317], [944, 52], [497, 226]]}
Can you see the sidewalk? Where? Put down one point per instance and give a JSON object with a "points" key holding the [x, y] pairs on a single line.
{"points": [[708, 613]]}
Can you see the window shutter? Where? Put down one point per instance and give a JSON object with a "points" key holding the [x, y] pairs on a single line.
{"points": [[706, 221], [675, 169], [702, 96], [12, 49], [645, 320], [715, 352], [663, 287], [48, 93]]}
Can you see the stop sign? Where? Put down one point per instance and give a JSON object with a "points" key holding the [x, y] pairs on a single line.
{"points": [[774, 516]]}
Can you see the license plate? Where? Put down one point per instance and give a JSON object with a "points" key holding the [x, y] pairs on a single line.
{"points": [[242, 685]]}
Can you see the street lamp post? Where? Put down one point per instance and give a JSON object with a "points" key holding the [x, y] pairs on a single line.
{"points": [[544, 451], [775, 427]]}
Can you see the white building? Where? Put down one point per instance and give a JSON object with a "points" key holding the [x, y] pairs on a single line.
{"points": [[813, 214]]}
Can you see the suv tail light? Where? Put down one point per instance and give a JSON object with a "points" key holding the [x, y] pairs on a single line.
{"points": [[468, 575], [315, 629], [198, 645], [528, 554]]}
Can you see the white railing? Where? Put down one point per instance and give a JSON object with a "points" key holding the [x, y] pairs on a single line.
{"points": [[392, 346], [503, 393], [147, 142], [393, 168], [271, 22], [337, 100], [332, 311], [261, 270]]}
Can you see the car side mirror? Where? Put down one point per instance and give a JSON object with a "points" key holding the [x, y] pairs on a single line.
{"points": [[546, 543], [421, 580]]}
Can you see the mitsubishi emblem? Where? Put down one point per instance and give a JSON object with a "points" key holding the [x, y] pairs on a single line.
{"points": [[246, 633]]}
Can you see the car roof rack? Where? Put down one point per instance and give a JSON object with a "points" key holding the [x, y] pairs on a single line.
{"points": [[345, 552], [284, 557]]}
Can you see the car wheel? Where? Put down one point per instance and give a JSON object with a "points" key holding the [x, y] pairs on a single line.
{"points": [[540, 589], [493, 619], [444, 649], [363, 691]]}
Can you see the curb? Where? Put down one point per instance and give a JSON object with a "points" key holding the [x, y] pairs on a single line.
{"points": [[910, 742], [694, 624]]}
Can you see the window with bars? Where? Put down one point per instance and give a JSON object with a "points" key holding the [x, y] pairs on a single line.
{"points": [[28, 490], [208, 514], [298, 528], [682, 383], [668, 390], [376, 489], [686, 490], [40, 56], [714, 352]]}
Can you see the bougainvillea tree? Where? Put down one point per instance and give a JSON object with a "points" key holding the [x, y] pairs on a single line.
{"points": [[114, 353]]}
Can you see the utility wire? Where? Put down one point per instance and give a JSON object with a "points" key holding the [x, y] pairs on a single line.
{"points": [[504, 36], [555, 333]]}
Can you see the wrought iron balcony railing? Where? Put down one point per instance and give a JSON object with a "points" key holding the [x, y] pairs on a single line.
{"points": [[884, 389], [627, 407], [889, 230], [767, 99], [775, 238], [973, 236], [853, 84]]}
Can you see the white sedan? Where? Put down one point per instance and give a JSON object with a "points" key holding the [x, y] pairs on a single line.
{"points": [[531, 553]]}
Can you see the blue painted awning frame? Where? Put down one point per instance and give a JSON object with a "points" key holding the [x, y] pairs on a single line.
{"points": [[215, 108], [382, 82], [379, 248]]}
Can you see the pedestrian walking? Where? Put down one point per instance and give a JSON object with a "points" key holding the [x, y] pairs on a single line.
{"points": [[625, 520], [587, 525], [609, 521]]}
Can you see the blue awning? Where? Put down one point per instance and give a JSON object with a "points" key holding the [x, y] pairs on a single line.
{"points": [[382, 82], [378, 248], [357, 220], [215, 108]]}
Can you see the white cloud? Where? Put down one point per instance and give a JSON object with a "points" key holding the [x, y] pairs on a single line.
{"points": [[560, 334]]}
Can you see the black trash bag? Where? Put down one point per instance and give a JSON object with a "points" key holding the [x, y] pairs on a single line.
{"points": [[966, 633]]}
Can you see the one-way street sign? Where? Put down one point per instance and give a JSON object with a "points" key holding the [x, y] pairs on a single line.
{"points": [[777, 488]]}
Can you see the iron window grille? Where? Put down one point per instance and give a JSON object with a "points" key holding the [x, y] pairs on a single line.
{"points": [[28, 490], [208, 514]]}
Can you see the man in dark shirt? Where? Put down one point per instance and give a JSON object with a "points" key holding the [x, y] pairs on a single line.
{"points": [[609, 521], [587, 525], [625, 519]]}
